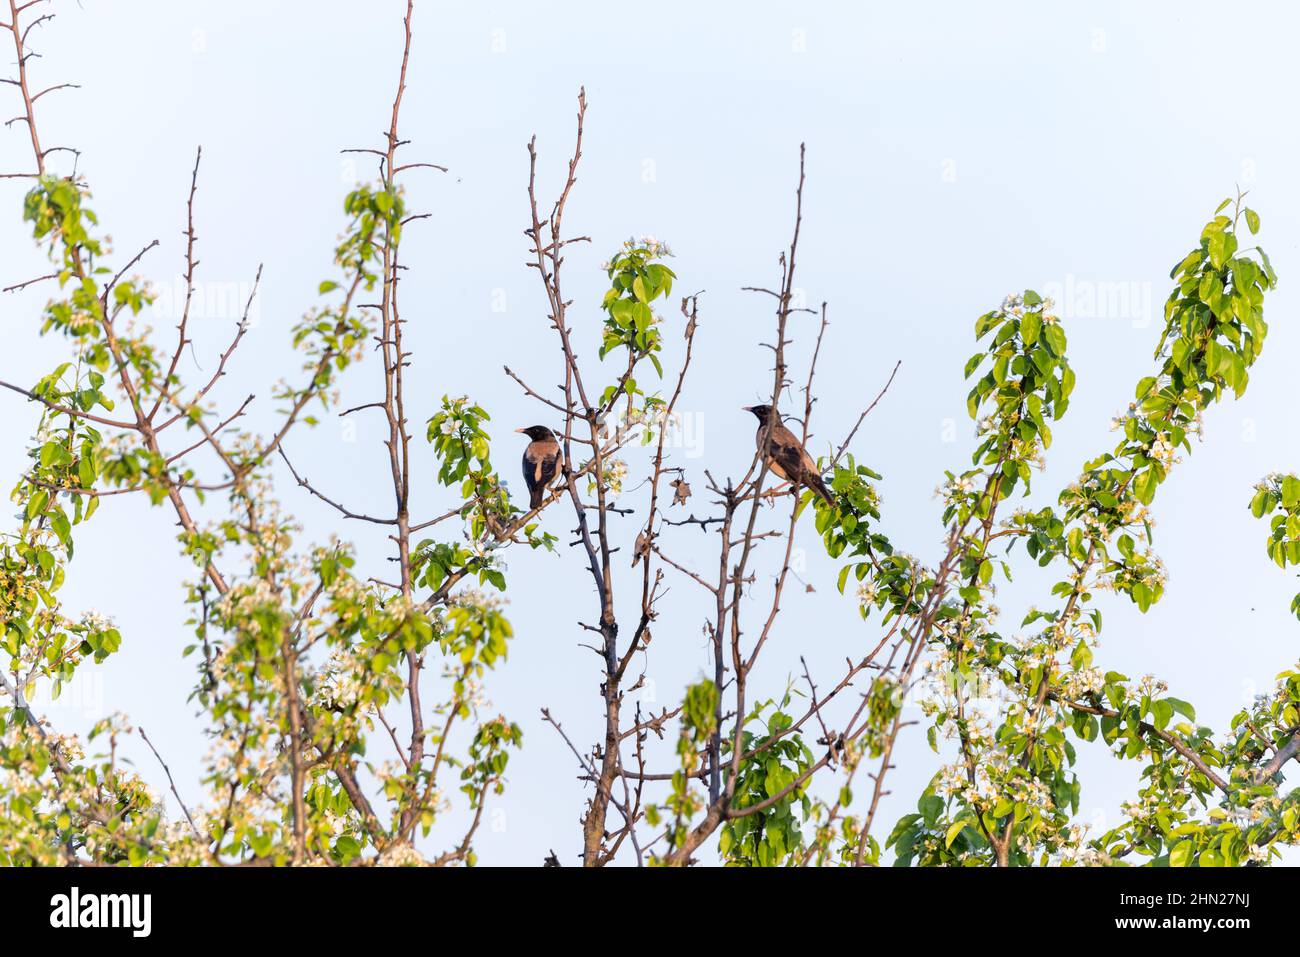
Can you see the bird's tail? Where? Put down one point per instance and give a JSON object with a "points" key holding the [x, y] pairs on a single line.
{"points": [[818, 486], [535, 497]]}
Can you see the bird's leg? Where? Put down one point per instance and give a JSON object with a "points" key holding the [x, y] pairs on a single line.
{"points": [[780, 490]]}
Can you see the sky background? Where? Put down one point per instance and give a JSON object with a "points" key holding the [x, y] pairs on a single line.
{"points": [[956, 152]]}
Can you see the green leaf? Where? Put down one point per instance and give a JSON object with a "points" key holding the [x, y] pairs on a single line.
{"points": [[1222, 245], [1144, 486], [901, 828], [1290, 491], [1055, 337], [1162, 711], [36, 504], [1030, 326], [954, 830]]}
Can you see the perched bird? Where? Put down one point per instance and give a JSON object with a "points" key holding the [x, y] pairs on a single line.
{"points": [[785, 456], [541, 461]]}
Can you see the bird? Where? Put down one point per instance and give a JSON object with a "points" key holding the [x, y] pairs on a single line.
{"points": [[786, 456], [541, 462]]}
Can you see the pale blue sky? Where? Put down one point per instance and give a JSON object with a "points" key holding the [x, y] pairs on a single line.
{"points": [[956, 152]]}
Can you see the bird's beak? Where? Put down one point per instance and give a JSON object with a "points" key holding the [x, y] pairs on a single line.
{"points": [[746, 408], [520, 431]]}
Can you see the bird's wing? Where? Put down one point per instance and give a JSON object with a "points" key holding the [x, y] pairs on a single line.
{"points": [[807, 461], [548, 464], [529, 466], [788, 458], [773, 448], [541, 462]]}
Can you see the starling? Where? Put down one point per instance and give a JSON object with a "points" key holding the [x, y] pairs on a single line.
{"points": [[541, 462], [786, 457]]}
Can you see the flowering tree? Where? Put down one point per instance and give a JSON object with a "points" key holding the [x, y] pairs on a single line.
{"points": [[307, 666]]}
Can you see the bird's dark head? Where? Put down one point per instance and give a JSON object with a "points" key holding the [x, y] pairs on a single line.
{"points": [[761, 412], [538, 433]]}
